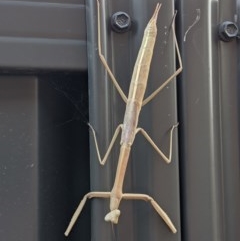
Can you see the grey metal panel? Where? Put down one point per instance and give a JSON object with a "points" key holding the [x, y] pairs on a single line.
{"points": [[44, 158], [210, 132], [47, 1], [63, 157], [18, 159], [42, 35], [230, 124], [146, 173]]}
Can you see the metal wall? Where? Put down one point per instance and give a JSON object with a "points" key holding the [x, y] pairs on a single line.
{"points": [[44, 153], [209, 113], [147, 172], [43, 34], [208, 110], [46, 48]]}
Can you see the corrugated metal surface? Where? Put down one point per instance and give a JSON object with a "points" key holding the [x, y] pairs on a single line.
{"points": [[209, 113], [44, 167], [42, 35], [146, 173], [44, 164], [44, 152]]}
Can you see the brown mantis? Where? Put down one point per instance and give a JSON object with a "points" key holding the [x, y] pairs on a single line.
{"points": [[134, 103]]}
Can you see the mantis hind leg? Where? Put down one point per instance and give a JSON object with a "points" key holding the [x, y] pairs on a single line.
{"points": [[155, 205], [81, 205]]}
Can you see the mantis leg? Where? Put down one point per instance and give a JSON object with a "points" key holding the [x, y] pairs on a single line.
{"points": [[166, 159], [158, 209], [81, 205], [102, 161], [104, 61], [179, 70]]}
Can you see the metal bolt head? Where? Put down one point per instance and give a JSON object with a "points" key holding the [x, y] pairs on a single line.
{"points": [[228, 31], [120, 22]]}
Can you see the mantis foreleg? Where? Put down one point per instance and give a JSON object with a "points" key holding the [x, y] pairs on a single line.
{"points": [[150, 97], [103, 59]]}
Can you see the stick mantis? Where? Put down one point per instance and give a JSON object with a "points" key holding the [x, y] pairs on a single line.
{"points": [[134, 102]]}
